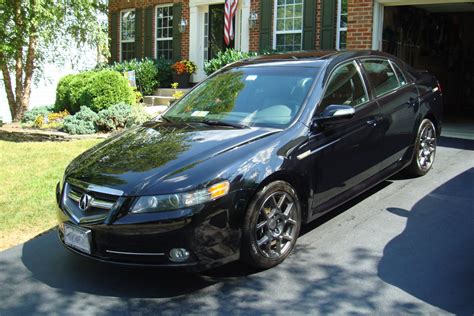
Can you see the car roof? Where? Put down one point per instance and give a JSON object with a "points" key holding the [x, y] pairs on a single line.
{"points": [[329, 56]]}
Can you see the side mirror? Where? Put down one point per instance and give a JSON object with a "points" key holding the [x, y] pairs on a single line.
{"points": [[335, 114]]}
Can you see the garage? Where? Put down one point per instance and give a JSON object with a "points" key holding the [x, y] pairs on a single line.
{"points": [[437, 36]]}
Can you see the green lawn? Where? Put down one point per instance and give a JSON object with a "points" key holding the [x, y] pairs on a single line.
{"points": [[28, 176]]}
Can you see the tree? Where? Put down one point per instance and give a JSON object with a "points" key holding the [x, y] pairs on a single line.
{"points": [[32, 32]]}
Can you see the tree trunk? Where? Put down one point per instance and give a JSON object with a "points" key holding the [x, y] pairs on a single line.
{"points": [[29, 68], [19, 106], [8, 87]]}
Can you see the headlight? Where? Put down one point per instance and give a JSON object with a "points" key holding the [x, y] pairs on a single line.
{"points": [[168, 202]]}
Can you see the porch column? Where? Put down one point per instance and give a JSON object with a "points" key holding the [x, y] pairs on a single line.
{"points": [[244, 26], [194, 44]]}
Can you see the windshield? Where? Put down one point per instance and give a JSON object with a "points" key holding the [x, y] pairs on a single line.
{"points": [[264, 96]]}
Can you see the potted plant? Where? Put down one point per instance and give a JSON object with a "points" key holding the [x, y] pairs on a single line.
{"points": [[182, 70]]}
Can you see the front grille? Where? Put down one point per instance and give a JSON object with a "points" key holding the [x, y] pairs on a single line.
{"points": [[101, 201], [75, 195]]}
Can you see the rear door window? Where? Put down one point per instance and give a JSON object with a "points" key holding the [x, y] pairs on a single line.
{"points": [[401, 76], [381, 76]]}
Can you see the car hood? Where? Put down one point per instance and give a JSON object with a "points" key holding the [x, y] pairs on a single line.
{"points": [[136, 160]]}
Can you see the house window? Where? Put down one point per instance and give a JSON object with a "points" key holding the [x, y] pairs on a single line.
{"points": [[164, 32], [341, 35], [127, 34], [288, 25]]}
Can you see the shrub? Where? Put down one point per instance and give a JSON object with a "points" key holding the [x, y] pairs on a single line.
{"points": [[150, 74], [106, 88], [138, 96], [31, 115], [225, 58], [83, 122], [146, 73], [70, 90], [120, 116], [39, 121], [58, 116], [138, 116], [114, 117], [164, 72], [97, 89], [63, 93]]}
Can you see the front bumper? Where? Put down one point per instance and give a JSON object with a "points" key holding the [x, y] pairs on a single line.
{"points": [[210, 233]]}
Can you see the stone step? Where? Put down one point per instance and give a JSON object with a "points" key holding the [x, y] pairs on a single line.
{"points": [[167, 92], [158, 100], [155, 109]]}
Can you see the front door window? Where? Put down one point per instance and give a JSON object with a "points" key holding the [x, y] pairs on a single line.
{"points": [[345, 87]]}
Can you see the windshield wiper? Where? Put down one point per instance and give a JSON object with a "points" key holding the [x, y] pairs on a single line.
{"points": [[223, 123], [166, 119]]}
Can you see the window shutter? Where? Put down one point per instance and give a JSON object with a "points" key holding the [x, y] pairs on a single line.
{"points": [[176, 34], [113, 37], [309, 24], [266, 25], [138, 33], [328, 24], [149, 32]]}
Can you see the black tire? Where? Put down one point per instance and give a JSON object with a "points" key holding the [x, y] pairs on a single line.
{"points": [[424, 151], [279, 230]]}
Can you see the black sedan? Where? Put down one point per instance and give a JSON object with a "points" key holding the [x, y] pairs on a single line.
{"points": [[234, 168]]}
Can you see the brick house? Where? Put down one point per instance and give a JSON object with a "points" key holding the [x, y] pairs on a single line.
{"points": [[193, 29], [429, 34]]}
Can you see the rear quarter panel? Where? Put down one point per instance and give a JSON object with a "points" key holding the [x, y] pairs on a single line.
{"points": [[431, 99]]}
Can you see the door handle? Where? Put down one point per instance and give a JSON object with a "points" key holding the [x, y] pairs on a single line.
{"points": [[372, 122], [412, 102]]}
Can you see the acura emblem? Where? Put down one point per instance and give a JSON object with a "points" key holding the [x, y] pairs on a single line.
{"points": [[85, 202]]}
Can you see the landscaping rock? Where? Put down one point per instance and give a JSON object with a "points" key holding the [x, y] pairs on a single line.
{"points": [[15, 133]]}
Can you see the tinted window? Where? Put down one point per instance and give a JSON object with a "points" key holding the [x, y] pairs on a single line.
{"points": [[381, 76], [254, 95], [400, 74], [345, 87]]}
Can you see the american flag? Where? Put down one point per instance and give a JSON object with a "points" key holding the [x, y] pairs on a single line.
{"points": [[230, 9]]}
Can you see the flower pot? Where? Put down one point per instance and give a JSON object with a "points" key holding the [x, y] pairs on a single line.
{"points": [[182, 79]]}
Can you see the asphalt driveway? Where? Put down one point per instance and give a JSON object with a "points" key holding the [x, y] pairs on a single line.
{"points": [[405, 247]]}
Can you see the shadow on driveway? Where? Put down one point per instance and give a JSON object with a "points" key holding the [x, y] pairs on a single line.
{"points": [[433, 258], [55, 266]]}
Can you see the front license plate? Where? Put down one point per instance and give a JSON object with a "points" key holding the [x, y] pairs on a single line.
{"points": [[78, 238]]}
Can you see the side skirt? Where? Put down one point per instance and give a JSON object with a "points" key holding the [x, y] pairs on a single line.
{"points": [[355, 191]]}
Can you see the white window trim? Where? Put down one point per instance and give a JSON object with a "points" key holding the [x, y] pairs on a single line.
{"points": [[120, 35], [156, 27], [339, 29], [205, 24], [275, 32]]}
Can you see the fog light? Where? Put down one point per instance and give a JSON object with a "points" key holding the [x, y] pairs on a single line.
{"points": [[179, 255]]}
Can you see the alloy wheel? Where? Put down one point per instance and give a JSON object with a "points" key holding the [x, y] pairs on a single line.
{"points": [[426, 147], [276, 225]]}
